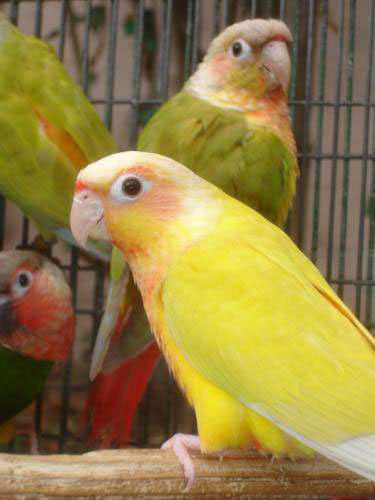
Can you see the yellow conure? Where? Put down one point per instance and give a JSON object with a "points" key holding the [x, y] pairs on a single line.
{"points": [[261, 345]]}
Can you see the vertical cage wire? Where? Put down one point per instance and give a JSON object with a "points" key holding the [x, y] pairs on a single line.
{"points": [[365, 155], [110, 69], [347, 148], [319, 130], [296, 23], [337, 108], [137, 71], [328, 228], [307, 97]]}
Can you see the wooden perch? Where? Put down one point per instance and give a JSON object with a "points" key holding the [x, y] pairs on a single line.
{"points": [[157, 474]]}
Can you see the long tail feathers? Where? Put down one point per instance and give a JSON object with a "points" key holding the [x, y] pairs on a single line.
{"points": [[114, 398]]}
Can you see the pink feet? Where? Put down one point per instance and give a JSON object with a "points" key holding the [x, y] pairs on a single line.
{"points": [[180, 444]]}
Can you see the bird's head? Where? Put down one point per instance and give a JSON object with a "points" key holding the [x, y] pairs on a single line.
{"points": [[36, 311], [250, 58], [146, 204]]}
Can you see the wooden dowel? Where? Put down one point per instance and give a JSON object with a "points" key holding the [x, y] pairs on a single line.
{"points": [[157, 474]]}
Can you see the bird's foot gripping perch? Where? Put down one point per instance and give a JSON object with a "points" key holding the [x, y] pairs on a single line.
{"points": [[180, 444]]}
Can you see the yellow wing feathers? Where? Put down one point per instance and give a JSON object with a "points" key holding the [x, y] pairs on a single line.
{"points": [[275, 337]]}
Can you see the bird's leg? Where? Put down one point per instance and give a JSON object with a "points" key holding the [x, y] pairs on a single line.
{"points": [[180, 444]]}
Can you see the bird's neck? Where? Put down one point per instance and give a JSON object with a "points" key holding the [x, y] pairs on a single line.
{"points": [[269, 107], [151, 254]]}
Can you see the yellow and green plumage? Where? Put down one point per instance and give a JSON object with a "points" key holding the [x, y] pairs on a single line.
{"points": [[250, 157], [49, 131], [259, 342], [230, 125]]}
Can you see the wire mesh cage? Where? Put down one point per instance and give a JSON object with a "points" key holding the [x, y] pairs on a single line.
{"points": [[129, 56]]}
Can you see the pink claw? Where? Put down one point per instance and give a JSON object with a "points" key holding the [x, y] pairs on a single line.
{"points": [[180, 444]]}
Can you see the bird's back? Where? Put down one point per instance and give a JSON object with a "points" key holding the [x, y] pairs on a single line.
{"points": [[248, 159], [48, 127], [253, 316]]}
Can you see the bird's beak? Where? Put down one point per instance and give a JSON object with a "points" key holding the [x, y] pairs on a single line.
{"points": [[87, 218], [275, 58]]}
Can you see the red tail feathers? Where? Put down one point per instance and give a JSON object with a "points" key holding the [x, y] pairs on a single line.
{"points": [[114, 398]]}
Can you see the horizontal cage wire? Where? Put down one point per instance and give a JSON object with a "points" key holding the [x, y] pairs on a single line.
{"points": [[129, 57]]}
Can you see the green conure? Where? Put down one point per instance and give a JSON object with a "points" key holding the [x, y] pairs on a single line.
{"points": [[36, 329], [49, 131], [229, 124]]}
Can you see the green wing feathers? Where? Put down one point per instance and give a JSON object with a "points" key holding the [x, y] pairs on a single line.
{"points": [[22, 379], [246, 159], [48, 127]]}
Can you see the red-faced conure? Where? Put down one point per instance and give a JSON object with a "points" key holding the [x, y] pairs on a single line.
{"points": [[36, 329]]}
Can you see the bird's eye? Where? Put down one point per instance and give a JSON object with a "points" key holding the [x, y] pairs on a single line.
{"points": [[240, 50], [129, 188], [22, 282]]}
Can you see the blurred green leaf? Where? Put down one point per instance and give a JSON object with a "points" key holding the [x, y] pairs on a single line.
{"points": [[146, 114], [98, 17], [77, 18], [91, 78], [150, 30], [128, 25], [370, 209], [51, 35]]}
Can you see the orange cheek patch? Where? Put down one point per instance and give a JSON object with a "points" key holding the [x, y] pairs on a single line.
{"points": [[164, 203], [31, 311], [222, 64]]}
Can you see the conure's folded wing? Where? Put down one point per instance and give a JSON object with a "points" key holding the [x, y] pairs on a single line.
{"points": [[245, 158], [133, 337], [127, 368], [24, 378], [49, 132], [286, 347], [117, 309]]}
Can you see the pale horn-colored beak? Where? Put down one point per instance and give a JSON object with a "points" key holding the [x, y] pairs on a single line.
{"points": [[275, 57], [87, 218]]}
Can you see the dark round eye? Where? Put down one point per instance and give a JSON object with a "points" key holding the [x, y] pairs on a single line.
{"points": [[23, 280], [131, 186], [22, 283], [236, 49], [240, 50]]}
